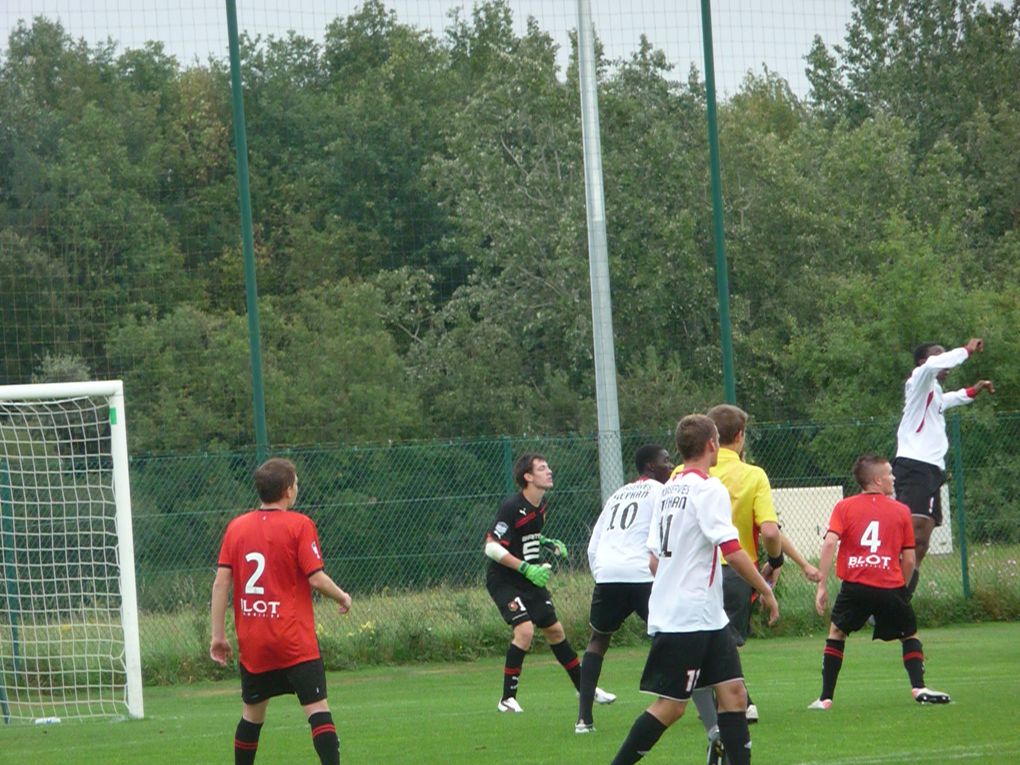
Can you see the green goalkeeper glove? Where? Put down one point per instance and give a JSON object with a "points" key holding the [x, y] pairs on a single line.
{"points": [[555, 545], [537, 575]]}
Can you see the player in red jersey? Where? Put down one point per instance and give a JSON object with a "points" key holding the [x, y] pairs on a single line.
{"points": [[875, 538], [271, 559]]}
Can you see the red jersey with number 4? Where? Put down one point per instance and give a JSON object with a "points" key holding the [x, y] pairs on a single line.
{"points": [[873, 529], [271, 554]]}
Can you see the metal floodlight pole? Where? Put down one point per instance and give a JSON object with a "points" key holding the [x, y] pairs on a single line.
{"points": [[247, 238], [721, 276], [610, 464]]}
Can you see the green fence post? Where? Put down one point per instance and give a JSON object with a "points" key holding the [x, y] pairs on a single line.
{"points": [[247, 237], [722, 278], [10, 576], [959, 510]]}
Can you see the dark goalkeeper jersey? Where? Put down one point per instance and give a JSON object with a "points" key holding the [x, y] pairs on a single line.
{"points": [[517, 528]]}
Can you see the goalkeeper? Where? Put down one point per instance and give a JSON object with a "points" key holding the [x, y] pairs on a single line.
{"points": [[516, 579]]}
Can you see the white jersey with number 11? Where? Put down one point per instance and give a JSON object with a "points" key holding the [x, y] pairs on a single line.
{"points": [[691, 519]]}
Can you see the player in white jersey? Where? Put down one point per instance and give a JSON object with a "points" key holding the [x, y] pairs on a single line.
{"points": [[692, 646], [921, 442], [618, 557]]}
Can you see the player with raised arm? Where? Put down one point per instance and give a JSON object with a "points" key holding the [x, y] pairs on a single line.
{"points": [[516, 579], [618, 557], [692, 645], [921, 442], [875, 540], [271, 559]]}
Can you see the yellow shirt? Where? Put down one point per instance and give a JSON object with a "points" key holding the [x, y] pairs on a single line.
{"points": [[750, 496]]}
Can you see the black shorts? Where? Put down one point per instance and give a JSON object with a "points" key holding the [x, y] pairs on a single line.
{"points": [[737, 602], [894, 616], [307, 680], [522, 603], [679, 662], [918, 487], [613, 602]]}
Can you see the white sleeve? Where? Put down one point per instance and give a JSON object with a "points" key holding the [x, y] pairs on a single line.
{"points": [[923, 375], [715, 516], [653, 541], [956, 398]]}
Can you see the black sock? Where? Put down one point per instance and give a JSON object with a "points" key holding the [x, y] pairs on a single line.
{"points": [[645, 731], [913, 660], [324, 738], [246, 742], [591, 668], [512, 670], [568, 659], [912, 584], [832, 663], [736, 737]]}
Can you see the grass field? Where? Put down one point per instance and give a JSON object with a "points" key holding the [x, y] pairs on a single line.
{"points": [[445, 713]]}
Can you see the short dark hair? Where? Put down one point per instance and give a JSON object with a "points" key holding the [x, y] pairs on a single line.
{"points": [[730, 420], [864, 468], [646, 454], [693, 434], [274, 477], [921, 352], [523, 465]]}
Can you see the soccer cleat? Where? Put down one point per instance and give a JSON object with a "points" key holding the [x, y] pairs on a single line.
{"points": [[716, 753], [820, 704], [509, 705], [928, 696], [583, 727], [752, 714], [604, 697]]}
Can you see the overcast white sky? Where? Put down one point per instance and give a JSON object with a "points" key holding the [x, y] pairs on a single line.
{"points": [[747, 33]]}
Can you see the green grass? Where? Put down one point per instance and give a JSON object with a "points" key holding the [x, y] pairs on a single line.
{"points": [[445, 713]]}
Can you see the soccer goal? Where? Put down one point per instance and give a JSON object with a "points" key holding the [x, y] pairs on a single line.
{"points": [[68, 610]]}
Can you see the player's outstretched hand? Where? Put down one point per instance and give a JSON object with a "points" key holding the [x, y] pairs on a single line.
{"points": [[975, 345], [981, 385], [220, 651], [344, 603], [557, 547], [769, 602], [537, 575], [821, 599], [812, 574]]}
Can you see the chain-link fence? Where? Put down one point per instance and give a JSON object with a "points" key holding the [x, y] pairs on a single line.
{"points": [[402, 528]]}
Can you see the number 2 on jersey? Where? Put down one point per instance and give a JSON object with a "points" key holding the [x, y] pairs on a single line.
{"points": [[870, 537], [251, 587]]}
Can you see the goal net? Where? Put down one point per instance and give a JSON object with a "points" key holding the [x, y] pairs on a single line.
{"points": [[68, 614]]}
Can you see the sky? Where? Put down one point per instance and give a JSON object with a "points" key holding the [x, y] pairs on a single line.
{"points": [[747, 34]]}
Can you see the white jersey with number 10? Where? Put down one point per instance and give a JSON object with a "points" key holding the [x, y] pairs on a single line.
{"points": [[691, 519], [617, 551]]}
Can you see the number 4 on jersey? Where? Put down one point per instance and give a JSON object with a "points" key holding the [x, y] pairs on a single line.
{"points": [[870, 538]]}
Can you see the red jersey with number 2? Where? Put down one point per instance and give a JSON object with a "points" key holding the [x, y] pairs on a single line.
{"points": [[271, 554], [873, 529]]}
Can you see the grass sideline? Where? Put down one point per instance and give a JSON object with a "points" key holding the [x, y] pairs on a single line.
{"points": [[445, 713]]}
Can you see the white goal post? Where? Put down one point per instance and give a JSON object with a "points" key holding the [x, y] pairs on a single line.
{"points": [[69, 644]]}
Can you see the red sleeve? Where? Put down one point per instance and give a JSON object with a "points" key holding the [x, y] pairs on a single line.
{"points": [[226, 546], [836, 521], [309, 554], [730, 546]]}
